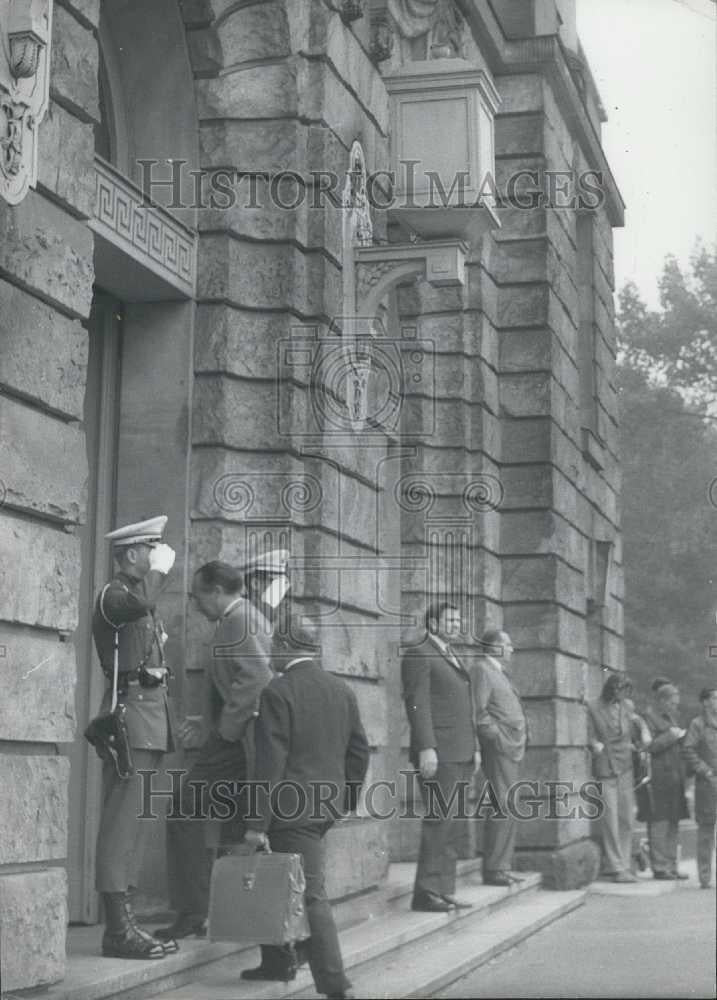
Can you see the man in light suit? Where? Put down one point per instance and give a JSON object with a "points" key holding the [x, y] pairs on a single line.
{"points": [[438, 697], [502, 730], [237, 670]]}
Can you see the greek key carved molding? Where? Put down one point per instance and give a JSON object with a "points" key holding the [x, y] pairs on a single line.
{"points": [[145, 232]]}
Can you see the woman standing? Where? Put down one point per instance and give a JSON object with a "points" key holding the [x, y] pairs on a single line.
{"points": [[667, 801]]}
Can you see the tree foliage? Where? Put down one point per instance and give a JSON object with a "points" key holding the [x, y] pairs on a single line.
{"points": [[667, 383]]}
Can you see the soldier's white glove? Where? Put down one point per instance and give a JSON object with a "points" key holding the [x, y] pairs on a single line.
{"points": [[161, 558]]}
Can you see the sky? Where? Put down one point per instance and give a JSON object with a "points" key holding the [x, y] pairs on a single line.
{"points": [[654, 64]]}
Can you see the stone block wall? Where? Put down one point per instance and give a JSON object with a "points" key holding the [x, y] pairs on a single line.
{"points": [[561, 487], [46, 274], [282, 87]]}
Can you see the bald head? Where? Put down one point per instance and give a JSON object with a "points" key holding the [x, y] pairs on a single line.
{"points": [[498, 644]]}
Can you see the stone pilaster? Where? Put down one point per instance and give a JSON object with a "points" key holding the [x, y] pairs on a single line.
{"points": [[46, 274]]}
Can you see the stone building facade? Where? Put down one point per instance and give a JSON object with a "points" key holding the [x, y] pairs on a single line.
{"points": [[416, 400]]}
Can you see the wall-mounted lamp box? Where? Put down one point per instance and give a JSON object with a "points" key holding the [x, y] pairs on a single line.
{"points": [[442, 148]]}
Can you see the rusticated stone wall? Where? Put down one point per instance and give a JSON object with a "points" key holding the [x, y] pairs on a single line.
{"points": [[46, 275], [285, 86], [561, 491]]}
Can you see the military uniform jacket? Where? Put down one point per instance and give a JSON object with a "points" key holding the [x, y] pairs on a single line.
{"points": [[129, 604], [437, 692], [237, 670]]}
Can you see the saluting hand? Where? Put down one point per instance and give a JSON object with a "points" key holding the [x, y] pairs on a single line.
{"points": [[161, 558], [428, 762]]}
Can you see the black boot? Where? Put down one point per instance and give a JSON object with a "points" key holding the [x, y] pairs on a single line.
{"points": [[278, 964], [121, 938], [169, 945]]}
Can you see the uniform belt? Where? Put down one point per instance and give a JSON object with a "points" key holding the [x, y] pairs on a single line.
{"points": [[130, 678]]}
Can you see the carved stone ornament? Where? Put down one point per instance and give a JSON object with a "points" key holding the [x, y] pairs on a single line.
{"points": [[355, 198], [440, 20], [25, 32]]}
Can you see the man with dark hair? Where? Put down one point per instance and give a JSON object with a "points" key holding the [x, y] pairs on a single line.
{"points": [[308, 737], [502, 731], [699, 750], [667, 804], [236, 671], [444, 750], [610, 741], [130, 639]]}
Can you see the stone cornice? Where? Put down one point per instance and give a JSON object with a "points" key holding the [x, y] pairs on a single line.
{"points": [[544, 54]]}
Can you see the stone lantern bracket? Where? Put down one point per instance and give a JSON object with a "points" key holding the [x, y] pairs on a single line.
{"points": [[379, 269]]}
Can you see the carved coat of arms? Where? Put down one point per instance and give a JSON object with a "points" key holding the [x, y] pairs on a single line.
{"points": [[25, 31]]}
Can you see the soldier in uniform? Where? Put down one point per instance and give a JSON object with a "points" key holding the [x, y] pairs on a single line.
{"points": [[236, 671], [129, 636]]}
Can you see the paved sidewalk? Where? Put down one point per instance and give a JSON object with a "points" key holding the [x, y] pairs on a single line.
{"points": [[648, 945]]}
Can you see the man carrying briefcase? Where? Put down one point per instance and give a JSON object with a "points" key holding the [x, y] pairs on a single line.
{"points": [[308, 739]]}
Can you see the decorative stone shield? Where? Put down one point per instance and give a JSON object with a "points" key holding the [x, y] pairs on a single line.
{"points": [[25, 32]]}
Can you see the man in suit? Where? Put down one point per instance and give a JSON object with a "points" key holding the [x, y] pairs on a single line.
{"points": [[502, 731], [308, 737], [236, 671], [444, 749], [130, 638]]}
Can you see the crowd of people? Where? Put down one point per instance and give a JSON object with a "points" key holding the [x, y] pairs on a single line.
{"points": [[274, 718], [643, 763]]}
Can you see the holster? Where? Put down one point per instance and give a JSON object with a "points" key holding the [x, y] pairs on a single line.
{"points": [[108, 734]]}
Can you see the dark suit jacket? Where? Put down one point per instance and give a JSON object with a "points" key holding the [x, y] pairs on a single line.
{"points": [[237, 670], [308, 732], [439, 704]]}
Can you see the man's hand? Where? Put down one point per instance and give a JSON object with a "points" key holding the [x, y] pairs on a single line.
{"points": [[161, 558], [428, 762], [677, 732], [597, 747], [257, 840], [477, 761], [191, 733]]}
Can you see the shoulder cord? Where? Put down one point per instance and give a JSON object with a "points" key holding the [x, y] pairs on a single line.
{"points": [[115, 656]]}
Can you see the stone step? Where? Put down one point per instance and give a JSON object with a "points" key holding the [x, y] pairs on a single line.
{"points": [[90, 977], [422, 968], [378, 952]]}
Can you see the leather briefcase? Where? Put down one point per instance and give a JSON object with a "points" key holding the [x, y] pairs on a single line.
{"points": [[258, 899]]}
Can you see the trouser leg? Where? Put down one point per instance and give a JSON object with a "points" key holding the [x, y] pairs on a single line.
{"points": [[445, 797], [663, 842], [324, 950], [188, 861], [705, 851], [499, 830], [626, 817], [609, 828], [122, 836]]}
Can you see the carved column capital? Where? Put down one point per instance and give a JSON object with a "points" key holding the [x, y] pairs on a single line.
{"points": [[381, 268]]}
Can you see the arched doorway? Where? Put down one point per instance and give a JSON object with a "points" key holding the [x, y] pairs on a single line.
{"points": [[140, 331]]}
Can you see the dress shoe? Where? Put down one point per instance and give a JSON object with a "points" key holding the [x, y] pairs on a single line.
{"points": [[457, 903], [186, 925], [680, 876], [431, 902], [266, 974], [497, 878], [663, 876], [624, 877], [346, 995]]}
